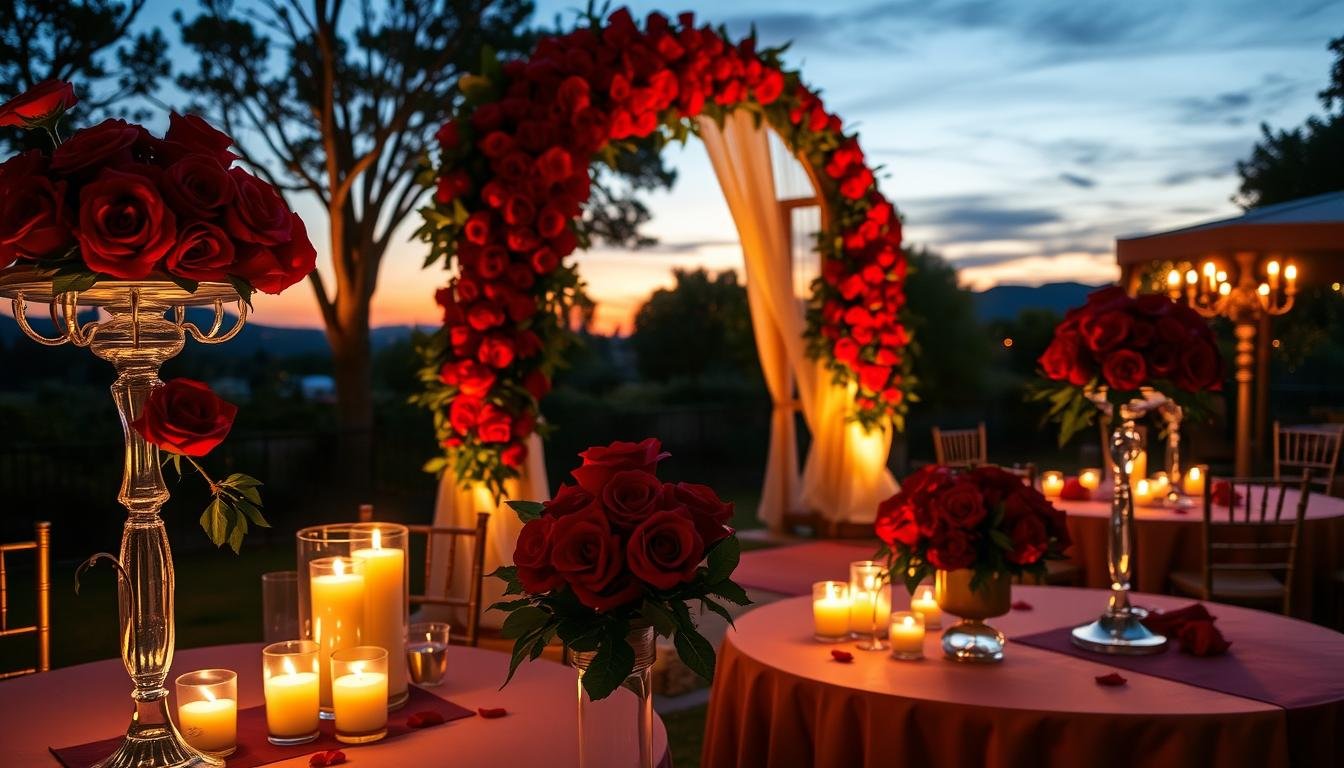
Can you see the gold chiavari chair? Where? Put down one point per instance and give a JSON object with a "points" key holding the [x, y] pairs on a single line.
{"points": [[41, 544], [960, 447], [1311, 447]]}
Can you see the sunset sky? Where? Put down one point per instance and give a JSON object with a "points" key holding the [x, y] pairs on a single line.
{"points": [[1018, 138]]}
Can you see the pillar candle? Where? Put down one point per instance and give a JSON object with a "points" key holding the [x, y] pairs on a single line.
{"points": [[338, 613], [384, 625], [924, 604], [291, 702], [1194, 482], [209, 724], [360, 702], [830, 610]]}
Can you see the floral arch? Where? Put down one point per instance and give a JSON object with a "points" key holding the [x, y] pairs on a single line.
{"points": [[509, 191]]}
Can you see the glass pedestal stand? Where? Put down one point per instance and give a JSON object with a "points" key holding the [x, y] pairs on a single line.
{"points": [[1119, 630], [136, 337]]}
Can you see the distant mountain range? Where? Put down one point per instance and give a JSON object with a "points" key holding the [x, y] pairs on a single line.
{"points": [[1004, 302]]}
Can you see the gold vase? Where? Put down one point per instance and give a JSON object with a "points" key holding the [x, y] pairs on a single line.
{"points": [[971, 639]]}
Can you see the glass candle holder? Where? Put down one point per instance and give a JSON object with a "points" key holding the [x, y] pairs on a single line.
{"points": [[906, 634], [359, 693], [924, 603], [1052, 484], [1194, 480], [869, 604], [1090, 478], [378, 553], [207, 710], [427, 653], [337, 585], [290, 681], [830, 611], [279, 606]]}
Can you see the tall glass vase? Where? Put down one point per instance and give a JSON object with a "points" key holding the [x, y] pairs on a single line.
{"points": [[1119, 630], [136, 337], [606, 735]]}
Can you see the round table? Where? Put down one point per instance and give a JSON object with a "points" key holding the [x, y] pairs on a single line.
{"points": [[1169, 541], [780, 700], [88, 702]]}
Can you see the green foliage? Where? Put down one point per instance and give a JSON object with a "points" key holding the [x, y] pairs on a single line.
{"points": [[234, 502], [701, 325]]}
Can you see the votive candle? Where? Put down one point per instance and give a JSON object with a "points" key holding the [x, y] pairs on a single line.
{"points": [[906, 635], [1052, 483], [1160, 484], [359, 693], [923, 603], [1143, 492], [1090, 479], [290, 683], [869, 604], [830, 611], [207, 710], [1195, 477]]}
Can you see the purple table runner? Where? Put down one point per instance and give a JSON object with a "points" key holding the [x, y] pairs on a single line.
{"points": [[253, 747]]}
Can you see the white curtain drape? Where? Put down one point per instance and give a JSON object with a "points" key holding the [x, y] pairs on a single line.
{"points": [[457, 506], [845, 475]]}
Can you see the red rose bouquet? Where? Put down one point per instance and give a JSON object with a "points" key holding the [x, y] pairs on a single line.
{"points": [[617, 549], [1120, 345], [116, 202], [984, 519]]}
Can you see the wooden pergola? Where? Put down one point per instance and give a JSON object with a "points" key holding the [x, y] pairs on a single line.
{"points": [[1308, 233]]}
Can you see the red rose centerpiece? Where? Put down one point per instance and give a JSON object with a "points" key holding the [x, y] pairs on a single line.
{"points": [[973, 530], [612, 561]]}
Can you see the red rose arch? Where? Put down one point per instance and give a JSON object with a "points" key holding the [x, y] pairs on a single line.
{"points": [[514, 175]]}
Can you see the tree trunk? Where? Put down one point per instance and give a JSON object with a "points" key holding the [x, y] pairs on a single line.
{"points": [[351, 355]]}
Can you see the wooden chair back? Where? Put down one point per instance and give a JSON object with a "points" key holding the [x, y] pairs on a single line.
{"points": [[1256, 534], [960, 447], [1311, 447], [41, 545], [474, 540]]}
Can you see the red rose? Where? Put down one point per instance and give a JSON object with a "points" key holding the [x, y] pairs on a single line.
{"points": [[1030, 539], [496, 144], [1153, 304], [483, 316], [544, 261], [1108, 331], [518, 211], [874, 377], [258, 214], [99, 144], [568, 500], [477, 228], [448, 135], [629, 497], [601, 462], [185, 416], [191, 134], [665, 550], [1199, 368], [532, 556], [952, 550], [452, 186], [494, 424], [1124, 369], [551, 222], [1163, 359], [846, 350], [857, 183], [202, 252], [124, 226], [589, 557], [1201, 638], [710, 513], [197, 186], [496, 351], [1074, 490], [34, 222], [961, 505], [46, 100], [275, 268], [896, 523], [514, 455], [555, 164], [464, 414]]}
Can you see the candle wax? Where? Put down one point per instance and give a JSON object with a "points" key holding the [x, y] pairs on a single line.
{"points": [[291, 704], [360, 702], [210, 726], [384, 625]]}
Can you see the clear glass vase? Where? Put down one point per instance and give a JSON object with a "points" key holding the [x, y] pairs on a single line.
{"points": [[1120, 630], [605, 733], [136, 337]]}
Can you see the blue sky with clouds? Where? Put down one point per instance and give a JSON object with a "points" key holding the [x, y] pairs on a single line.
{"points": [[1018, 138]]}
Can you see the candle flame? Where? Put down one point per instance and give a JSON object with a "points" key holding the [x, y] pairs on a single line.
{"points": [[338, 567], [1173, 278], [209, 696], [1290, 272], [1191, 276], [1209, 269], [926, 593], [377, 538], [1263, 290], [1272, 268], [289, 668], [909, 621], [357, 668]]}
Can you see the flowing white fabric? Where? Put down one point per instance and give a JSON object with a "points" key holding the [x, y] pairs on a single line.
{"points": [[845, 475], [457, 506]]}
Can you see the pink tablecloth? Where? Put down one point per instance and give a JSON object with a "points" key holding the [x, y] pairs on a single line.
{"points": [[778, 699], [89, 701], [1169, 541]]}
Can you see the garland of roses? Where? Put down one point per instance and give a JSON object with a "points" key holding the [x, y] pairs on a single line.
{"points": [[508, 199]]}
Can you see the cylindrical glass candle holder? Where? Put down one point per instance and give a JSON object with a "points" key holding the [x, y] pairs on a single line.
{"points": [[427, 653], [207, 710], [1052, 484], [337, 585], [359, 693], [1090, 478], [869, 604], [830, 611], [924, 603], [280, 606], [906, 634], [378, 552], [290, 680]]}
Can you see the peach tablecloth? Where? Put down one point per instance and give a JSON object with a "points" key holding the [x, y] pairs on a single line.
{"points": [[88, 702], [1170, 541], [779, 701]]}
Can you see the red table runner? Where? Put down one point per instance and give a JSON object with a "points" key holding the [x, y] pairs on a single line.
{"points": [[253, 747]]}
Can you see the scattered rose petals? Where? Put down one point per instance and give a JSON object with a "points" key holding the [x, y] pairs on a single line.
{"points": [[1021, 605], [844, 657], [424, 719], [1112, 680], [490, 713], [329, 757]]}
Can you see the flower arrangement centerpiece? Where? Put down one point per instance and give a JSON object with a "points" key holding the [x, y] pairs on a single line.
{"points": [[612, 561], [972, 530], [145, 227], [1126, 357]]}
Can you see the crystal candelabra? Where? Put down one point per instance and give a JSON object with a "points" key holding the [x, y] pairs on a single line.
{"points": [[136, 337], [1212, 292]]}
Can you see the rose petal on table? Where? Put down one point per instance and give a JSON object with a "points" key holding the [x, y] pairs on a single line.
{"points": [[1022, 605], [844, 657], [335, 757], [1112, 680], [490, 713], [318, 760], [424, 719]]}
